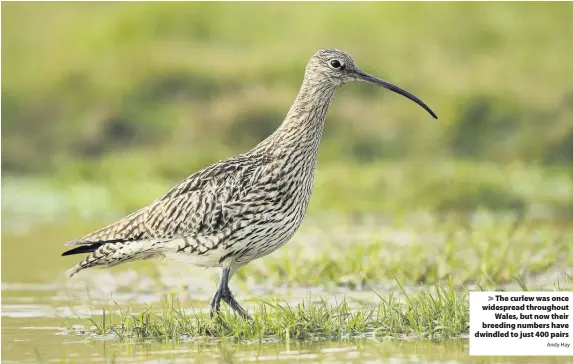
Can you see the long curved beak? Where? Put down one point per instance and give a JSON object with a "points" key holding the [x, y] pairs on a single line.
{"points": [[363, 76]]}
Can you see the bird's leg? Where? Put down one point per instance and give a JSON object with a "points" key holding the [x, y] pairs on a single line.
{"points": [[224, 293], [216, 303]]}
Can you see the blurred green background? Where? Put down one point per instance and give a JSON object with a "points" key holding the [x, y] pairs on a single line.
{"points": [[136, 96], [107, 105]]}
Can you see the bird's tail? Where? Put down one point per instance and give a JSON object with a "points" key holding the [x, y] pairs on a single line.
{"points": [[110, 254]]}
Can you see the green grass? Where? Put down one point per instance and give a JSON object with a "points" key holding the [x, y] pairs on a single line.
{"points": [[441, 313], [437, 311]]}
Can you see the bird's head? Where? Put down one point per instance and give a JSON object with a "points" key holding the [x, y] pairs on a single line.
{"points": [[333, 67]]}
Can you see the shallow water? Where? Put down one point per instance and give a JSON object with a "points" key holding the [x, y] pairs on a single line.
{"points": [[37, 343], [42, 339], [40, 304]]}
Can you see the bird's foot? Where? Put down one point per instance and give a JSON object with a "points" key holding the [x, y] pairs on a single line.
{"points": [[227, 296]]}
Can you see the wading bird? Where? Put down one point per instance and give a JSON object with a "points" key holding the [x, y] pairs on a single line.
{"points": [[242, 208]]}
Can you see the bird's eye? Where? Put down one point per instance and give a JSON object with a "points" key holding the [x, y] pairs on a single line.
{"points": [[336, 64]]}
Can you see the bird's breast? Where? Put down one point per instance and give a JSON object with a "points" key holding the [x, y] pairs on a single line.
{"points": [[276, 214]]}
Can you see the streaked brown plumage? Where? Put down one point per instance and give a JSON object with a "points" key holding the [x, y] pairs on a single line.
{"points": [[241, 208]]}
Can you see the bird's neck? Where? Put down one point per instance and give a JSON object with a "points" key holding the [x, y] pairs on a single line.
{"points": [[303, 126]]}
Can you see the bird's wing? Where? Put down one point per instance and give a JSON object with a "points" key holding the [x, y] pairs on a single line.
{"points": [[204, 204]]}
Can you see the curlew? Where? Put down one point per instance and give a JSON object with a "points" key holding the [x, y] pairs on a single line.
{"points": [[242, 208]]}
